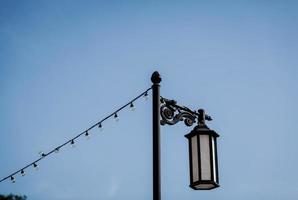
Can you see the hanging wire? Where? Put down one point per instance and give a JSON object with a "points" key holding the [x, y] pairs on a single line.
{"points": [[72, 140]]}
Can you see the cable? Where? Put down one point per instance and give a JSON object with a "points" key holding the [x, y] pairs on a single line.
{"points": [[72, 140]]}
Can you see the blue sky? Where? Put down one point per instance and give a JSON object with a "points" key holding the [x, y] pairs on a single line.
{"points": [[64, 65]]}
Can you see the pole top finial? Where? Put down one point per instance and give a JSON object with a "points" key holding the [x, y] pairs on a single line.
{"points": [[155, 78]]}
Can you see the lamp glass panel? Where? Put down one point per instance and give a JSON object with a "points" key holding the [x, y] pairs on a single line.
{"points": [[194, 153], [205, 157], [213, 156]]}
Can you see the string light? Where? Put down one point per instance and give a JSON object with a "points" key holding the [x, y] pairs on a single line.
{"points": [[146, 96], [100, 127], [116, 117], [57, 150], [87, 135], [72, 142], [42, 154], [132, 107], [35, 166]]}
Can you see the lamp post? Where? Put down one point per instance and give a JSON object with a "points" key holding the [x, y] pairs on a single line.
{"points": [[155, 78], [203, 162]]}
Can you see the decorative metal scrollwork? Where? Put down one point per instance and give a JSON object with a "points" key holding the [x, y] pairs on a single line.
{"points": [[171, 113]]}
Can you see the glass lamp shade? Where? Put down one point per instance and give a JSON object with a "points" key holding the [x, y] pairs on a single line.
{"points": [[203, 158]]}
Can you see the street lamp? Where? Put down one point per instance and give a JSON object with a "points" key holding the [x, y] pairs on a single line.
{"points": [[203, 156], [202, 141]]}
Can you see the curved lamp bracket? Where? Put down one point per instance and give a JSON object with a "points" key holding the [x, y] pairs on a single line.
{"points": [[171, 113]]}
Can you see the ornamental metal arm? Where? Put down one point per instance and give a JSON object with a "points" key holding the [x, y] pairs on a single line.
{"points": [[171, 113]]}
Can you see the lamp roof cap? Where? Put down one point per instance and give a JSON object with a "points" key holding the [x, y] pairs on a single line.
{"points": [[201, 130]]}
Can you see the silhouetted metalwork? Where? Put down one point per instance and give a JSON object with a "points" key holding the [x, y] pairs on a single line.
{"points": [[202, 143], [171, 113], [155, 78], [202, 140]]}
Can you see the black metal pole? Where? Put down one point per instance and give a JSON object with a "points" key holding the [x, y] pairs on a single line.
{"points": [[155, 78]]}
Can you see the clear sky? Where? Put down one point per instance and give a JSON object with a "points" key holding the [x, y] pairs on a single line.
{"points": [[66, 64]]}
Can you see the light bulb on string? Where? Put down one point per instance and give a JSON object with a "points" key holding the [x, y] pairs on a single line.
{"points": [[41, 153], [23, 172], [87, 135], [57, 150], [146, 96], [116, 117], [132, 107], [35, 166], [13, 180], [72, 143], [100, 127]]}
